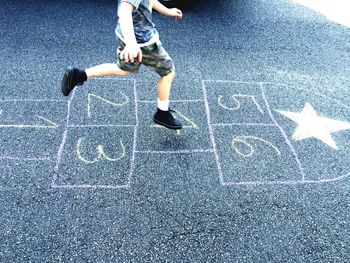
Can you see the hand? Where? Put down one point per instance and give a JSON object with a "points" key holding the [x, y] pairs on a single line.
{"points": [[130, 52], [174, 12]]}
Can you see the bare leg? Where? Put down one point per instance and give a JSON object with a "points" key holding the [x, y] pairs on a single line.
{"points": [[107, 69], [164, 86]]}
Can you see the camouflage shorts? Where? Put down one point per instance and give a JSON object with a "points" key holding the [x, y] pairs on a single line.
{"points": [[154, 57]]}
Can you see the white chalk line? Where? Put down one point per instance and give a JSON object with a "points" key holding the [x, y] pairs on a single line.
{"points": [[89, 186], [192, 151], [256, 83], [46, 158], [31, 100], [232, 81], [132, 161], [25, 126], [101, 125], [211, 133], [51, 125], [284, 134], [287, 182], [136, 103], [63, 142], [245, 124]]}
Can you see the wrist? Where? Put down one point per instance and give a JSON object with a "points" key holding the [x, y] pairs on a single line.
{"points": [[130, 43], [167, 12]]}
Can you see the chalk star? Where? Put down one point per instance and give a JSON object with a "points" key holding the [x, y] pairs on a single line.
{"points": [[311, 125]]}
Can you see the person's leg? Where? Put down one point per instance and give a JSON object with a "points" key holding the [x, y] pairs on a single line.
{"points": [[102, 70], [164, 87], [157, 59], [163, 115], [74, 76]]}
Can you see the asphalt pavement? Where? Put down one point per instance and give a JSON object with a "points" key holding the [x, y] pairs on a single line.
{"points": [[259, 173]]}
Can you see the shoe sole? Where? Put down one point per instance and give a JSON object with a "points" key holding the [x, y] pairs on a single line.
{"points": [[167, 125], [66, 85]]}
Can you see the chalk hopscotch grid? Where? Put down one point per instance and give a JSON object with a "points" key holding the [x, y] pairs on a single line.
{"points": [[65, 136], [202, 151], [193, 151], [276, 124]]}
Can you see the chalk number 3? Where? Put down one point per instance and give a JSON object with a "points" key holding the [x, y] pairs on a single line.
{"points": [[100, 153]]}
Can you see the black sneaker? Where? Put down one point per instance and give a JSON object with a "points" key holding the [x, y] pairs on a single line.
{"points": [[72, 77], [166, 119]]}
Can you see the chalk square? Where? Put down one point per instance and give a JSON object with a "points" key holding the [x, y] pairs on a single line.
{"points": [[236, 102], [193, 136], [104, 102], [98, 156], [31, 129], [43, 114], [254, 154]]}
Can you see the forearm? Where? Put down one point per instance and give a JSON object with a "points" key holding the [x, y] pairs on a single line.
{"points": [[156, 5], [126, 23]]}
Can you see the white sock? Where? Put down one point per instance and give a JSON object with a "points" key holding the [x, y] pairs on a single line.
{"points": [[163, 104]]}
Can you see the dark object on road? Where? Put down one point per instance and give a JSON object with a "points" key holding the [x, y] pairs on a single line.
{"points": [[72, 77], [165, 118]]}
